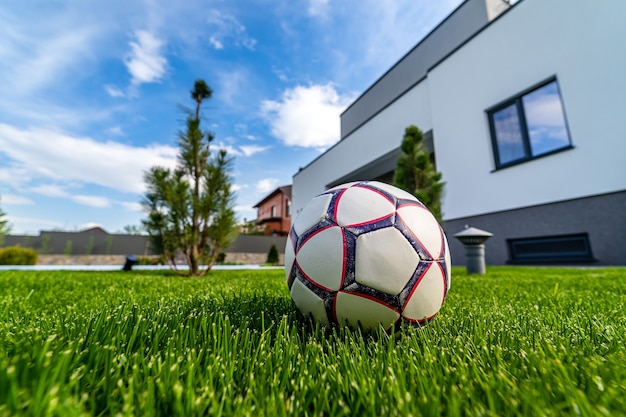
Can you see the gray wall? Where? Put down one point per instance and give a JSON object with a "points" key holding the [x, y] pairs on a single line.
{"points": [[101, 243], [602, 217], [121, 244]]}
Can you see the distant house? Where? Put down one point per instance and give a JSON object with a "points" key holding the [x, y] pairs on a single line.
{"points": [[274, 212]]}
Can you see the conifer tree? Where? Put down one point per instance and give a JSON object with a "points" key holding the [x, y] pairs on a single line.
{"points": [[416, 174], [191, 208]]}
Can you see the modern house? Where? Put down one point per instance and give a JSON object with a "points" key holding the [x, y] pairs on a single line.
{"points": [[274, 212], [522, 106]]}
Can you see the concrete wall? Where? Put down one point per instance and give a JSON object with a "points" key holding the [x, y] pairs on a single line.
{"points": [[235, 258], [247, 249], [582, 44], [601, 217], [81, 260]]}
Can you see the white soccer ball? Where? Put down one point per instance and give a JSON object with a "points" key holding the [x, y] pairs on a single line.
{"points": [[367, 254]]}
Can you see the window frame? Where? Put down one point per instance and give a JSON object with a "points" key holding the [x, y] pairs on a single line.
{"points": [[578, 256], [517, 101]]}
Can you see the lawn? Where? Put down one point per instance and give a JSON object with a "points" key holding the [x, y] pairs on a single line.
{"points": [[517, 341]]}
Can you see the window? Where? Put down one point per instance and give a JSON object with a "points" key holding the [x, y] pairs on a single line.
{"points": [[551, 249], [273, 211], [529, 125]]}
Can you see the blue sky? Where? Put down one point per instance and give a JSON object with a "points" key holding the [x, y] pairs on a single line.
{"points": [[91, 93]]}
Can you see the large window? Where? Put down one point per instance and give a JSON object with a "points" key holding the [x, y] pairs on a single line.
{"points": [[529, 125]]}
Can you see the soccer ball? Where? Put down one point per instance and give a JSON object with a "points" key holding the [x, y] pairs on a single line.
{"points": [[367, 254]]}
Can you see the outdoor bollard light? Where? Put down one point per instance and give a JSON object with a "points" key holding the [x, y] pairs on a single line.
{"points": [[474, 241]]}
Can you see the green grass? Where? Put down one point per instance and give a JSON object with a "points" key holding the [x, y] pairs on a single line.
{"points": [[517, 341]]}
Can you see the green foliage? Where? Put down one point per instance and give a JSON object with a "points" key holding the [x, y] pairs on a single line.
{"points": [[272, 255], [5, 227], [68, 248], [149, 260], [17, 255], [416, 174], [133, 229], [45, 244], [89, 246], [516, 341], [191, 208], [109, 244]]}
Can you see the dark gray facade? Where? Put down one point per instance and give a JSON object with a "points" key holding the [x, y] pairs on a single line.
{"points": [[602, 218]]}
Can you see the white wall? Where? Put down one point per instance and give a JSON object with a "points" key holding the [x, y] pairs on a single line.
{"points": [[378, 136], [583, 43]]}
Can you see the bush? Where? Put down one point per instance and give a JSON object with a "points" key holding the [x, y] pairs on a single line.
{"points": [[16, 255], [272, 256], [150, 260]]}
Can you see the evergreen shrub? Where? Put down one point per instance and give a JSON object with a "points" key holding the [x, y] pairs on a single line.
{"points": [[16, 255]]}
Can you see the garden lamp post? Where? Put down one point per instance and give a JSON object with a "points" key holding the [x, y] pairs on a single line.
{"points": [[473, 240]]}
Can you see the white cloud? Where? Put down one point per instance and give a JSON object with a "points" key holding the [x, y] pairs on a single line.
{"points": [[88, 225], [243, 150], [266, 185], [238, 187], [50, 190], [58, 157], [41, 60], [235, 87], [145, 62], [306, 116], [318, 8], [113, 91], [132, 206], [245, 213], [230, 149], [249, 150], [31, 225], [116, 130], [13, 199], [92, 201], [216, 43], [227, 28]]}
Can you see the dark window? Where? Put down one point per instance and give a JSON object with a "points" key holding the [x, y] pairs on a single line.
{"points": [[529, 125], [551, 249]]}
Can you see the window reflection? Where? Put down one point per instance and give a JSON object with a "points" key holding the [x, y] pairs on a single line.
{"points": [[545, 120], [529, 125], [510, 141]]}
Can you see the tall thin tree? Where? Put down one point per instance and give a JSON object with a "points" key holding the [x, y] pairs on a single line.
{"points": [[416, 173], [191, 208]]}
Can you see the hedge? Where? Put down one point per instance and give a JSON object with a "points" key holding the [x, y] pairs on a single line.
{"points": [[16, 255]]}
